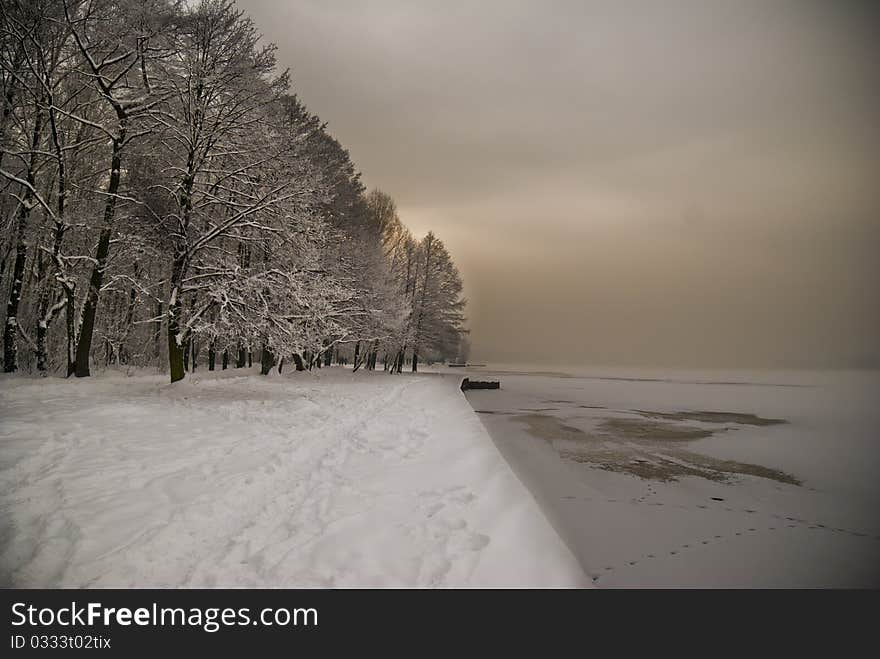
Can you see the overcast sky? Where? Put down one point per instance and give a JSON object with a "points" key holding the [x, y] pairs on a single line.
{"points": [[688, 183]]}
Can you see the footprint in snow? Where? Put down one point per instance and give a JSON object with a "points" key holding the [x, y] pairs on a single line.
{"points": [[477, 541]]}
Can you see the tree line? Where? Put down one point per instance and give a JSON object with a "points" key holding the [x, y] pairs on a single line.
{"points": [[168, 200]]}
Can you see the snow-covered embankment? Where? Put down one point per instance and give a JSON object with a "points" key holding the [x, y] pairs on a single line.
{"points": [[332, 480]]}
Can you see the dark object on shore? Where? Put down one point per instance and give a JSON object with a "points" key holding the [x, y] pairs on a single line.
{"points": [[467, 383], [457, 365]]}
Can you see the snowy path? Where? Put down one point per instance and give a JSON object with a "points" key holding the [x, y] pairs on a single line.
{"points": [[335, 481]]}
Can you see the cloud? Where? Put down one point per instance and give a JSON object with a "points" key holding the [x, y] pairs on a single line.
{"points": [[684, 183]]}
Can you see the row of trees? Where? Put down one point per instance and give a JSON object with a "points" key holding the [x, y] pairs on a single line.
{"points": [[167, 195]]}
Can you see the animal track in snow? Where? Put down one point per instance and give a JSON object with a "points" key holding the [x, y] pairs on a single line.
{"points": [[793, 523], [446, 533]]}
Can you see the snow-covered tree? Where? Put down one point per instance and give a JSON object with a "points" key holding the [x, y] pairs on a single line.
{"points": [[438, 318], [119, 42], [166, 191]]}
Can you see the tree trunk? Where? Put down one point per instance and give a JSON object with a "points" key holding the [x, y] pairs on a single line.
{"points": [[10, 331], [298, 362], [267, 361], [68, 287], [129, 318], [176, 353], [71, 330], [225, 359], [415, 362], [42, 330], [250, 359], [242, 357], [158, 338], [43, 302], [211, 356], [90, 307]]}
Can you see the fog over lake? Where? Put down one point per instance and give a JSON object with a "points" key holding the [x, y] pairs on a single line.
{"points": [[682, 183]]}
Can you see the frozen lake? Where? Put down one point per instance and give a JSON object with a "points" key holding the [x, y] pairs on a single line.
{"points": [[697, 478]]}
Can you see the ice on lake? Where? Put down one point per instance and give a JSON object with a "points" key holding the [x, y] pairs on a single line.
{"points": [[672, 478]]}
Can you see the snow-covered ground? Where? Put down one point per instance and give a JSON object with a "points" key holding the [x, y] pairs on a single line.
{"points": [[328, 479], [649, 490]]}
